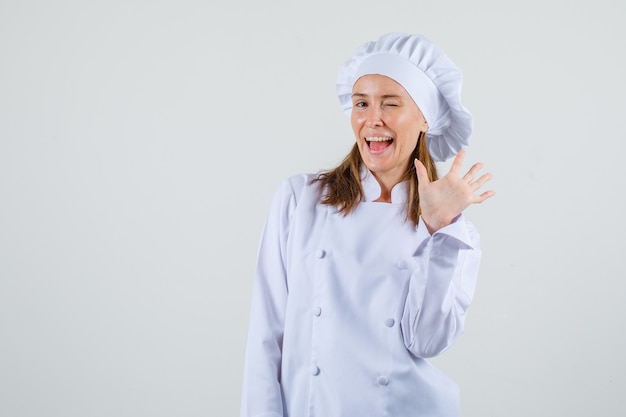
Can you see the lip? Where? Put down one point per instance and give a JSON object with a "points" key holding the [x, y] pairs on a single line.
{"points": [[378, 152]]}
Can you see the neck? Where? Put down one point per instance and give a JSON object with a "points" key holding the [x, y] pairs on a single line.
{"points": [[386, 185], [385, 197]]}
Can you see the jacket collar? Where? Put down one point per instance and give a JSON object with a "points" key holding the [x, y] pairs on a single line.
{"points": [[371, 188]]}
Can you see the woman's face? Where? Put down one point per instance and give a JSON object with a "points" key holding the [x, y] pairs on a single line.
{"points": [[387, 123]]}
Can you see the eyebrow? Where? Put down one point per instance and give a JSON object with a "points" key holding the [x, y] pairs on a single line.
{"points": [[383, 96]]}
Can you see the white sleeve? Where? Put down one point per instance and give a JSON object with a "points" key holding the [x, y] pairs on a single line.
{"points": [[262, 396], [443, 279]]}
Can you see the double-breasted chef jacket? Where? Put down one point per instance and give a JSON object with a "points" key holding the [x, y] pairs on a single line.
{"points": [[345, 308]]}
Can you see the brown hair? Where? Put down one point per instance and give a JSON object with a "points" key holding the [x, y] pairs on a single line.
{"points": [[342, 185]]}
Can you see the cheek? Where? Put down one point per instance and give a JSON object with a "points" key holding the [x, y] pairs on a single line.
{"points": [[356, 123], [412, 131], [409, 142]]}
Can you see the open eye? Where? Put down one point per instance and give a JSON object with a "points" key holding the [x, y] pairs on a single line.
{"points": [[360, 103]]}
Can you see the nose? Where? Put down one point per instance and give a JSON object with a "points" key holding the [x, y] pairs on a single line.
{"points": [[373, 117]]}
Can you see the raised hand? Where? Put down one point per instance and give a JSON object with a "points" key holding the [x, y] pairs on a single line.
{"points": [[443, 200]]}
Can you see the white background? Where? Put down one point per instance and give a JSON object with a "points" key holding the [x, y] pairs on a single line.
{"points": [[141, 142]]}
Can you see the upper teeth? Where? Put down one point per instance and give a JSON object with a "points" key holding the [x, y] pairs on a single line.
{"points": [[378, 138]]}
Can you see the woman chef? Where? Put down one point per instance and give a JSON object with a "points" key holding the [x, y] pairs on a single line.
{"points": [[365, 270]]}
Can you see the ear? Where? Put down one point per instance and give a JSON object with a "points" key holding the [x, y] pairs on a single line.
{"points": [[424, 123], [424, 126]]}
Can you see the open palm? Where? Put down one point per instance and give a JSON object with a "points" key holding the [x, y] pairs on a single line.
{"points": [[443, 200]]}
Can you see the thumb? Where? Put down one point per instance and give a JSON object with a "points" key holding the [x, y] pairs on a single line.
{"points": [[422, 174]]}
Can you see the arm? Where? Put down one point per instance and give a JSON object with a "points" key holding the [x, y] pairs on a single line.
{"points": [[445, 265], [262, 396], [442, 284]]}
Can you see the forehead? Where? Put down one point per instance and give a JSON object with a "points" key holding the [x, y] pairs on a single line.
{"points": [[377, 84]]}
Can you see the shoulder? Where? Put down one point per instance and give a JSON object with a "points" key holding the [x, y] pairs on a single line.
{"points": [[294, 190], [298, 186]]}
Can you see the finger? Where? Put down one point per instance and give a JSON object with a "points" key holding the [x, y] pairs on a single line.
{"points": [[422, 174], [481, 181], [472, 172], [455, 168], [487, 194]]}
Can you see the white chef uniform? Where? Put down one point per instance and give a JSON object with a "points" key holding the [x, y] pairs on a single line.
{"points": [[346, 308]]}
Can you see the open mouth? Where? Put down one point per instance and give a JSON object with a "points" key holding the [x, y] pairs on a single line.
{"points": [[378, 143]]}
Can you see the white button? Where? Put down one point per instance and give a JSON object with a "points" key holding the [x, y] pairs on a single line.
{"points": [[382, 380], [317, 311], [401, 265], [315, 370], [390, 322], [320, 253]]}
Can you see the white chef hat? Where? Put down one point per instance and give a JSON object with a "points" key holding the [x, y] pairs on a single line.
{"points": [[427, 74]]}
